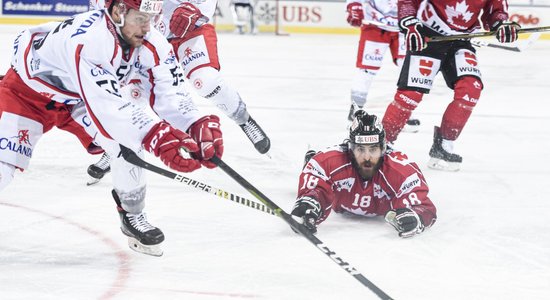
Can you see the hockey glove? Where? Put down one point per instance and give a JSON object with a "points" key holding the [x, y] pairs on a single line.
{"points": [[166, 143], [410, 26], [355, 14], [206, 132], [507, 32], [307, 211], [184, 19], [406, 221]]}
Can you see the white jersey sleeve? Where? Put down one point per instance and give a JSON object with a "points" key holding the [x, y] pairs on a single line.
{"points": [[382, 13], [168, 96], [66, 65]]}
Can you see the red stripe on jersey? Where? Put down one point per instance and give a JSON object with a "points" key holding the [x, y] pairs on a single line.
{"points": [[27, 50], [153, 50], [152, 91], [94, 118]]}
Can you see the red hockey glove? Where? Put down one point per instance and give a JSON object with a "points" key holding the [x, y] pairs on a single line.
{"points": [[307, 211], [507, 32], [206, 132], [355, 14], [166, 141], [406, 221], [184, 19], [410, 26]]}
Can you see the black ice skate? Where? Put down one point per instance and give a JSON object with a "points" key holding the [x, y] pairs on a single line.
{"points": [[99, 169], [412, 125], [440, 159], [256, 135], [142, 236]]}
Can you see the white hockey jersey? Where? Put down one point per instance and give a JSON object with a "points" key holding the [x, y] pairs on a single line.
{"points": [[81, 59], [382, 13]]}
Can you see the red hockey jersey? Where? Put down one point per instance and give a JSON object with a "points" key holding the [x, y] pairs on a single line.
{"points": [[331, 179], [455, 16]]}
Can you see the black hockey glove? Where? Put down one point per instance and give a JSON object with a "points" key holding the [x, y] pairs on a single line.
{"points": [[507, 32], [410, 27], [406, 221], [306, 211]]}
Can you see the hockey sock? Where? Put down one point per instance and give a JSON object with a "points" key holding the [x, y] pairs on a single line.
{"points": [[399, 111], [467, 92]]}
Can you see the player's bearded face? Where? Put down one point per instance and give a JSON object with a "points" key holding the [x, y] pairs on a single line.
{"points": [[367, 159], [136, 25]]}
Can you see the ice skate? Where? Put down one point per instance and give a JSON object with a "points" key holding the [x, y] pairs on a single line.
{"points": [[99, 169], [412, 125], [441, 156], [142, 236], [256, 135]]}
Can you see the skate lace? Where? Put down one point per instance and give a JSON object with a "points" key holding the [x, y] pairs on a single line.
{"points": [[139, 222], [253, 132], [104, 161]]}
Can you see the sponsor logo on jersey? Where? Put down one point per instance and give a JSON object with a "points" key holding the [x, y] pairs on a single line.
{"points": [[171, 58], [87, 23], [98, 70], [379, 193], [20, 143], [408, 100], [425, 67], [214, 92], [135, 93], [35, 64], [458, 15], [315, 169], [470, 58], [344, 184], [197, 83], [191, 55], [409, 184]]}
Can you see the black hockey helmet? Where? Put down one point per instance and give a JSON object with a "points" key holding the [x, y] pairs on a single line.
{"points": [[367, 129]]}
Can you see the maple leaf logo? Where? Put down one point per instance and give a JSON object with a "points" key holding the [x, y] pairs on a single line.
{"points": [[459, 14]]}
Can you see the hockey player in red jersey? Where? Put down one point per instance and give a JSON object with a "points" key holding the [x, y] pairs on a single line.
{"points": [[457, 61], [379, 32], [362, 177]]}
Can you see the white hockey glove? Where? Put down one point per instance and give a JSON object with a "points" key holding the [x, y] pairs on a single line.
{"points": [[406, 221], [307, 211]]}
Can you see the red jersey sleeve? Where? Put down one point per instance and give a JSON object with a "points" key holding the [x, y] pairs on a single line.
{"points": [[409, 186], [494, 11], [315, 181]]}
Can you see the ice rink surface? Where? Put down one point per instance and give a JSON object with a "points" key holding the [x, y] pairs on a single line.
{"points": [[59, 239]]}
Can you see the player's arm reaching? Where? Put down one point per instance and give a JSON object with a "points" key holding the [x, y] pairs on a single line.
{"points": [[315, 195], [495, 18], [173, 103], [412, 211]]}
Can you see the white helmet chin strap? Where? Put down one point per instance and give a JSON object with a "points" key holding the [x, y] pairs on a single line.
{"points": [[123, 12]]}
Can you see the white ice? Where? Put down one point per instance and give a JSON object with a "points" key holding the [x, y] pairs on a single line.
{"points": [[59, 239]]}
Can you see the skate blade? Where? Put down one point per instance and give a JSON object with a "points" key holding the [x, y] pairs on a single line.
{"points": [[153, 250], [439, 164], [92, 181], [411, 128]]}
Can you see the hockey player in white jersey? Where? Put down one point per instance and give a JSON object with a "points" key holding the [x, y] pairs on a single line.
{"points": [[377, 20], [73, 70], [243, 15], [184, 24]]}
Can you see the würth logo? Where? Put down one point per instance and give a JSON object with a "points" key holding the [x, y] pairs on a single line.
{"points": [[470, 58], [425, 67]]}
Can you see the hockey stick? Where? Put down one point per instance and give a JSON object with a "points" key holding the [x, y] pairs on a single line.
{"points": [[300, 228], [132, 158], [484, 34], [476, 43]]}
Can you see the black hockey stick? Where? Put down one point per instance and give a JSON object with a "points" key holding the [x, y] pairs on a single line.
{"points": [[483, 34], [131, 157], [300, 228]]}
